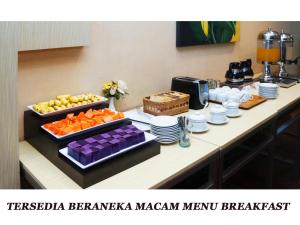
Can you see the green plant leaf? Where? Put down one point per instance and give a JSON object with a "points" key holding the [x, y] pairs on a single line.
{"points": [[211, 30], [226, 25], [232, 24], [198, 32], [223, 31], [226, 36]]}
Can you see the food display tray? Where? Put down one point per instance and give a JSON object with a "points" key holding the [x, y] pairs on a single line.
{"points": [[61, 137], [49, 147], [148, 137], [256, 100], [69, 109]]}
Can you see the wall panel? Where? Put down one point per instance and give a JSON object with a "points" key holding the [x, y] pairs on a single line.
{"points": [[9, 154], [44, 35]]}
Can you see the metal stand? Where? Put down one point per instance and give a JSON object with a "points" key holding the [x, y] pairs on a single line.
{"points": [[267, 76], [282, 71]]}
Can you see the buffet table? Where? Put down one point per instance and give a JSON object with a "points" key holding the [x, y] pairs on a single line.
{"points": [[251, 119], [247, 135], [260, 123]]}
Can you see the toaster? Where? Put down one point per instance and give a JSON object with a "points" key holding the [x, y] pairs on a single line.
{"points": [[197, 89]]}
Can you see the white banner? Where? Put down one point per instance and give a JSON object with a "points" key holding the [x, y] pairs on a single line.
{"points": [[149, 207]]}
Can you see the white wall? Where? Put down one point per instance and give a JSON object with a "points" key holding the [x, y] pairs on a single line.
{"points": [[141, 53]]}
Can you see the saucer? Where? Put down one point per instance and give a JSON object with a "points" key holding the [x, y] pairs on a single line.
{"points": [[199, 131], [218, 123], [166, 142], [234, 115]]}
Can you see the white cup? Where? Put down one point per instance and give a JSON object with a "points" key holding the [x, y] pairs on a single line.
{"points": [[235, 90], [197, 126], [198, 122], [232, 108], [233, 111], [222, 96], [245, 96], [234, 97], [218, 114], [213, 94], [247, 88], [218, 118], [226, 88]]}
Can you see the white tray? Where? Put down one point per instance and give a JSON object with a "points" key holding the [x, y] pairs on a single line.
{"points": [[69, 109], [138, 115], [64, 152], [82, 131]]}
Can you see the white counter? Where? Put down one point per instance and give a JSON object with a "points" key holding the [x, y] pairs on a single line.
{"points": [[224, 135]]}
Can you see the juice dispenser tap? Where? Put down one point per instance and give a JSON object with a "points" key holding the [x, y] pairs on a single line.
{"points": [[286, 40], [268, 52]]}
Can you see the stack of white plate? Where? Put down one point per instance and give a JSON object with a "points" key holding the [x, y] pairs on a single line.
{"points": [[165, 128], [268, 90]]}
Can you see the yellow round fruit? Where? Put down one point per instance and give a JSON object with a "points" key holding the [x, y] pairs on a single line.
{"points": [[57, 102], [37, 107], [64, 101], [51, 109], [85, 97], [73, 99], [57, 107], [51, 103], [44, 110]]}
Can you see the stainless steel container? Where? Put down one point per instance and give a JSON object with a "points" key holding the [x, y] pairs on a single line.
{"points": [[268, 51], [286, 42]]}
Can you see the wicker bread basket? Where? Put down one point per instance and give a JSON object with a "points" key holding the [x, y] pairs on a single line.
{"points": [[166, 103]]}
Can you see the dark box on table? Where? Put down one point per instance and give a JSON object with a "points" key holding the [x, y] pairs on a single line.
{"points": [[49, 146]]}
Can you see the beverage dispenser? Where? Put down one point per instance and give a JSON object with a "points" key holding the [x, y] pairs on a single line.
{"points": [[268, 52], [286, 44]]}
